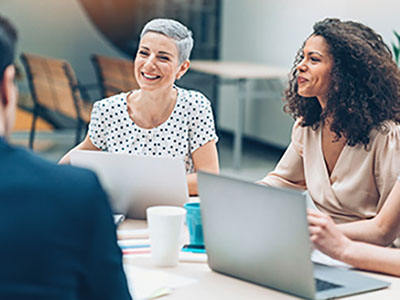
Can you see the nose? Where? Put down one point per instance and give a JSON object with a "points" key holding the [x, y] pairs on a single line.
{"points": [[301, 67], [150, 61]]}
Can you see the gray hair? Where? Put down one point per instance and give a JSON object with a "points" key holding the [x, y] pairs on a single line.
{"points": [[175, 30]]}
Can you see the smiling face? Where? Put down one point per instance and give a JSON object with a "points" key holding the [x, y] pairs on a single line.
{"points": [[157, 62], [314, 71]]}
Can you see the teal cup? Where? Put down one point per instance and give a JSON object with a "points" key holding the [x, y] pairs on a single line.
{"points": [[194, 224]]}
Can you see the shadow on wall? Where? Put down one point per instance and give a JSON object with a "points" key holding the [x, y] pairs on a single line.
{"points": [[121, 21], [115, 20]]}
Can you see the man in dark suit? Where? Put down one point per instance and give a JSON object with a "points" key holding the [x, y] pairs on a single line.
{"points": [[57, 235]]}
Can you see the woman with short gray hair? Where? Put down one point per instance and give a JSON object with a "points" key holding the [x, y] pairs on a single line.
{"points": [[159, 119], [175, 30]]}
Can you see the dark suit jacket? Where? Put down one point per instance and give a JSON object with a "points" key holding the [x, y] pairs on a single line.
{"points": [[57, 236]]}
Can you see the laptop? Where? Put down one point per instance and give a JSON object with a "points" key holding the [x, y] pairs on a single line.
{"points": [[135, 183], [260, 234]]}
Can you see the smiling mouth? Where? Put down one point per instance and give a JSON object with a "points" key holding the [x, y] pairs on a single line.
{"points": [[151, 77], [301, 80]]}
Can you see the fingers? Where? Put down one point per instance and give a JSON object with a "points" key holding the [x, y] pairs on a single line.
{"points": [[313, 230], [313, 212], [314, 240], [320, 220]]}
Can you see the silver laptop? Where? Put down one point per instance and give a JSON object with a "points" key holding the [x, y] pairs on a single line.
{"points": [[260, 234], [134, 183]]}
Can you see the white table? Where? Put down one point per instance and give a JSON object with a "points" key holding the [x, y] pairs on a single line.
{"points": [[197, 281], [238, 73]]}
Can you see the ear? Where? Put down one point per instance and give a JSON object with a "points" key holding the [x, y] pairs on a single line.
{"points": [[7, 86], [183, 69]]}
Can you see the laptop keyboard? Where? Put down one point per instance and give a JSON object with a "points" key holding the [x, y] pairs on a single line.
{"points": [[323, 285]]}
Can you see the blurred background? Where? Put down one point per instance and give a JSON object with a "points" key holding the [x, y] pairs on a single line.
{"points": [[267, 32]]}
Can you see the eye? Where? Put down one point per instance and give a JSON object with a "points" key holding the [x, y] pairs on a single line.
{"points": [[314, 59], [143, 53], [164, 58]]}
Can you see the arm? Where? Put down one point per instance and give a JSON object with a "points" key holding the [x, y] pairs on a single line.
{"points": [[383, 228], [86, 144], [105, 276], [289, 172], [327, 238], [205, 158], [202, 140]]}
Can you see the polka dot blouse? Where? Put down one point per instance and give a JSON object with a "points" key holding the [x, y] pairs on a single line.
{"points": [[190, 126]]}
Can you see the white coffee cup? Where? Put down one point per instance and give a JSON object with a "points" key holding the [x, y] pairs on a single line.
{"points": [[166, 234]]}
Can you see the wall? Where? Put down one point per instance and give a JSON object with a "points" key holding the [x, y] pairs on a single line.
{"points": [[270, 32], [260, 31], [57, 28]]}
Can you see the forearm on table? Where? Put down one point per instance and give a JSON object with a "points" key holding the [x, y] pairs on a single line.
{"points": [[205, 158], [373, 258], [192, 184], [369, 231], [66, 160], [192, 180], [86, 144]]}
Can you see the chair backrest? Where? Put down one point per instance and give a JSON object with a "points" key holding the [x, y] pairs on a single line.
{"points": [[115, 75], [84, 108], [55, 90]]}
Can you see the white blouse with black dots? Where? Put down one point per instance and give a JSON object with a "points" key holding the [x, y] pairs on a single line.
{"points": [[190, 126]]}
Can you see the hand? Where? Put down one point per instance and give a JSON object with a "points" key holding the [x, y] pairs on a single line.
{"points": [[325, 236]]}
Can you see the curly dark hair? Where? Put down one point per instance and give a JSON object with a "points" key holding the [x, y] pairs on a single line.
{"points": [[364, 90]]}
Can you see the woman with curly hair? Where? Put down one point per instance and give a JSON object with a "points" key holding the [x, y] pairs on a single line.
{"points": [[344, 92]]}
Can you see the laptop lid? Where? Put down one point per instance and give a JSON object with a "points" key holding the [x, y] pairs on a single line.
{"points": [[134, 183], [260, 234]]}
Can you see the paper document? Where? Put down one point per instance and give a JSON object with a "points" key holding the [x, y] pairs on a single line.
{"points": [[133, 234], [133, 242], [147, 284], [319, 257]]}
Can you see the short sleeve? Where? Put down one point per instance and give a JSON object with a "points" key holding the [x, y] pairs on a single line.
{"points": [[289, 172], [202, 128], [97, 128], [387, 160]]}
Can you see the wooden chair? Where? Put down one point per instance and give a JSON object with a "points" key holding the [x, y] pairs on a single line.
{"points": [[56, 94], [115, 75]]}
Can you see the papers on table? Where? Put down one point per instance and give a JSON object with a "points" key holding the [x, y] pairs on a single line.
{"points": [[319, 257], [133, 234], [135, 247], [153, 283]]}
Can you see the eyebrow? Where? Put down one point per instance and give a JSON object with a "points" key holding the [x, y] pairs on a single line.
{"points": [[315, 52]]}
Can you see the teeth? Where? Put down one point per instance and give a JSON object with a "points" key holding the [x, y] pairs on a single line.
{"points": [[150, 76]]}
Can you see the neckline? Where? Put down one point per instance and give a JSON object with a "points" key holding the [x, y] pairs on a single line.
{"points": [[178, 92], [323, 157]]}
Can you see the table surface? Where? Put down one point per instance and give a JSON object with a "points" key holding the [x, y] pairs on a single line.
{"points": [[193, 279], [238, 70]]}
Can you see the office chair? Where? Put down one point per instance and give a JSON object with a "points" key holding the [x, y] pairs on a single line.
{"points": [[56, 94], [115, 75]]}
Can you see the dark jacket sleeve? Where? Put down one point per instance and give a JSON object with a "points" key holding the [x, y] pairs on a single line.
{"points": [[105, 276]]}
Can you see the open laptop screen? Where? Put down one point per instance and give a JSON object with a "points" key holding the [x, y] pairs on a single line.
{"points": [[133, 182]]}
